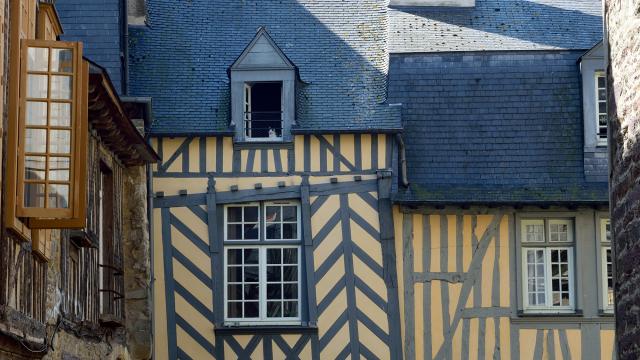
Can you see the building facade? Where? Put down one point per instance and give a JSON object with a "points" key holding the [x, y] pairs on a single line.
{"points": [[420, 179], [622, 21], [74, 218]]}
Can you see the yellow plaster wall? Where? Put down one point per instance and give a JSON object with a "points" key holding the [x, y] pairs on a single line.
{"points": [[220, 150], [431, 232]]}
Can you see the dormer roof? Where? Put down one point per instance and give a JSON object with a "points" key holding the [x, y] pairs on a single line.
{"points": [[262, 53]]}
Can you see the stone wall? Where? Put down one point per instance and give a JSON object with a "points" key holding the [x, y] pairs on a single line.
{"points": [[622, 20], [71, 341], [137, 264]]}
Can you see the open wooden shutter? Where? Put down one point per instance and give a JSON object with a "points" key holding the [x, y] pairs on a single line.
{"points": [[52, 135]]}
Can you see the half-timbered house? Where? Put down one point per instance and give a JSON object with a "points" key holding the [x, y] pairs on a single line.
{"points": [[415, 179]]}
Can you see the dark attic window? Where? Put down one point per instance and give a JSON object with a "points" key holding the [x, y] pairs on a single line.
{"points": [[263, 110]]}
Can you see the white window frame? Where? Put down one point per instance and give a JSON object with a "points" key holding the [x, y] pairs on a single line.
{"points": [[263, 244], [547, 246], [605, 244], [600, 141], [547, 281], [281, 204], [243, 205]]}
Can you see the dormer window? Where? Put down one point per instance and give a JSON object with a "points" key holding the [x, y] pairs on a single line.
{"points": [[262, 92], [601, 106], [594, 98], [263, 110]]}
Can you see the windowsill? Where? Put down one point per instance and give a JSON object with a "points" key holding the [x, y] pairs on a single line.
{"points": [[549, 313], [265, 329], [606, 313], [262, 144]]}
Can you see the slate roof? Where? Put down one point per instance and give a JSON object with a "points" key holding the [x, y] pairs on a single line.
{"points": [[96, 23], [500, 126], [497, 25], [339, 48]]}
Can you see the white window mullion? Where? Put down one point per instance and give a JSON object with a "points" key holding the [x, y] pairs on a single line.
{"points": [[547, 278], [261, 279]]}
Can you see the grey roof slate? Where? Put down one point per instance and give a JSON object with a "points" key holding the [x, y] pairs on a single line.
{"points": [[339, 48], [498, 120], [564, 194], [97, 24], [497, 25]]}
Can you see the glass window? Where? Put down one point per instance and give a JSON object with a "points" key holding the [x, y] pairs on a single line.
{"points": [[607, 264], [262, 278], [601, 106], [547, 266], [48, 127], [263, 110]]}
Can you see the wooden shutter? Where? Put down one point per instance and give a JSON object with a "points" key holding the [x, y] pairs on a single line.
{"points": [[52, 134]]}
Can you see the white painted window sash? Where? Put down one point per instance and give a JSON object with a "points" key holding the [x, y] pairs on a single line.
{"points": [[600, 140], [262, 319], [548, 307]]}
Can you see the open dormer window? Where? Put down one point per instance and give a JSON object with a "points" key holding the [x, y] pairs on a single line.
{"points": [[262, 92], [263, 110]]}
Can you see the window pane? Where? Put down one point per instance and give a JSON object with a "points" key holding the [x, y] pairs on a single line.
{"points": [[558, 231], [251, 232], [34, 167], [34, 195], [250, 256], [274, 291], [274, 256], [251, 214], [60, 114], [234, 256], [234, 309], [59, 168], [290, 309], [601, 81], [234, 292], [234, 232], [274, 273], [273, 213], [560, 277], [62, 60], [60, 141], [61, 87], [58, 196], [602, 94], [37, 86], [234, 214], [36, 140], [535, 276], [290, 291], [273, 231], [534, 232], [609, 277], [251, 274], [234, 274], [290, 256], [289, 213], [289, 231], [274, 309], [37, 59], [36, 113], [290, 273], [602, 107], [251, 292], [251, 309]]}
